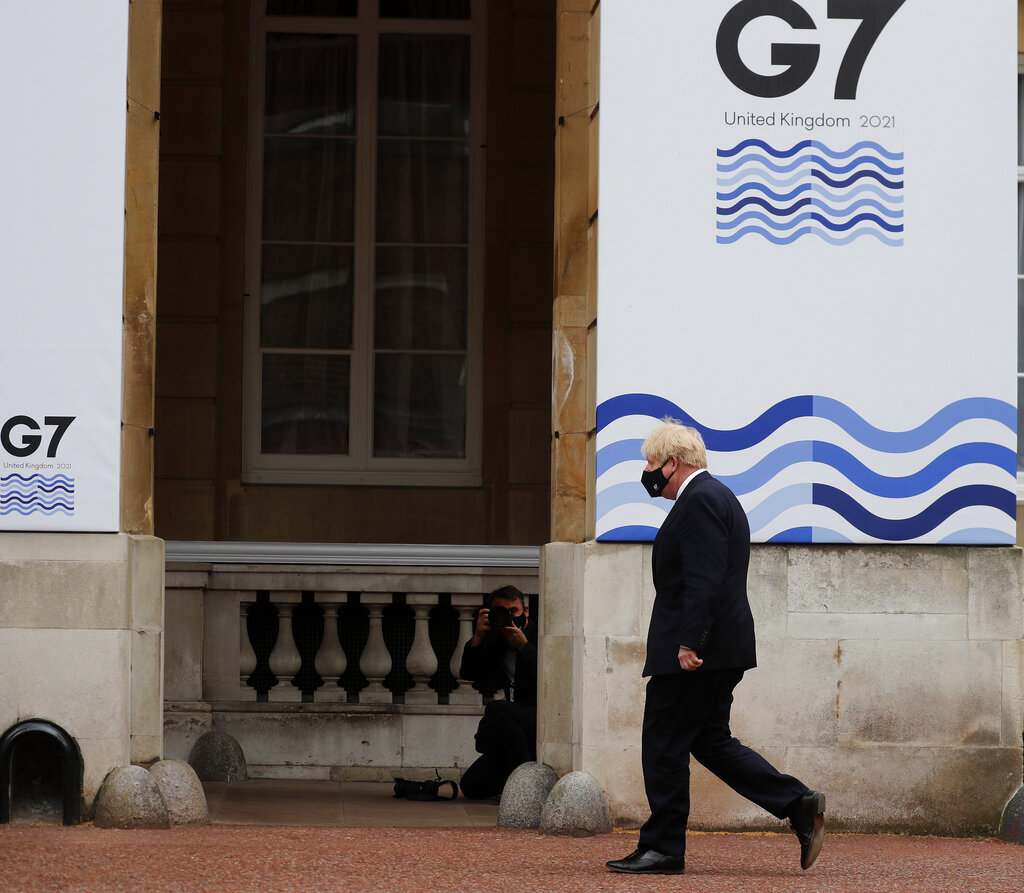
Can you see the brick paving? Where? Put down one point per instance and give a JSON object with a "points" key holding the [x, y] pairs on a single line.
{"points": [[220, 857]]}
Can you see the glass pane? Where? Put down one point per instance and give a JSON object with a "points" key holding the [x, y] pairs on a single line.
{"points": [[312, 7], [420, 298], [422, 191], [419, 406], [308, 189], [306, 297], [305, 404], [424, 9], [310, 84], [423, 86]]}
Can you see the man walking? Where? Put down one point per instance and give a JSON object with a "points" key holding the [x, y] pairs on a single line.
{"points": [[700, 642]]}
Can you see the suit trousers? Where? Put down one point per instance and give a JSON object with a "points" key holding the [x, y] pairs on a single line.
{"points": [[688, 713]]}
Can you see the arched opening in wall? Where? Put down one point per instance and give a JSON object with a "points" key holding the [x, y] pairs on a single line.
{"points": [[40, 774]]}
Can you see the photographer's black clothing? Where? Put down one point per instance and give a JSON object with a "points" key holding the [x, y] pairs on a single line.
{"points": [[487, 663], [507, 734]]}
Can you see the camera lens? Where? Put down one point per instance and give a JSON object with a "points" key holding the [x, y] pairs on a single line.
{"points": [[499, 617]]}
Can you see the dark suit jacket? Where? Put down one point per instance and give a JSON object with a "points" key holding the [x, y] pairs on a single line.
{"points": [[699, 561], [486, 663]]}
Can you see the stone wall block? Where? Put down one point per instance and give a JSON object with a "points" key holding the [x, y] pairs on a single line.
{"points": [[183, 638], [1013, 693], [592, 692], [62, 595], [995, 599], [922, 693], [559, 584], [611, 605], [618, 768], [768, 590], [864, 579], [554, 715], [911, 790], [426, 736], [792, 696], [625, 689]]}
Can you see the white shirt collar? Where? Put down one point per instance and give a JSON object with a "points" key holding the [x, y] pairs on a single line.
{"points": [[689, 478]]}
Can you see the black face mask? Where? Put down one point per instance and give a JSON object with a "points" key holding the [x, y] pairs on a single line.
{"points": [[655, 481]]}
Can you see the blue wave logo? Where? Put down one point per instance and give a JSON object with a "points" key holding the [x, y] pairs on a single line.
{"points": [[810, 469], [809, 189], [37, 494]]}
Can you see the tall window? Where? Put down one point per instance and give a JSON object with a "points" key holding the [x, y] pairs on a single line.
{"points": [[364, 242]]}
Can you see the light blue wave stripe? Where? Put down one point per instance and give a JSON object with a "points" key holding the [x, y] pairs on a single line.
{"points": [[621, 451], [979, 535], [36, 511], [827, 535], [779, 502], [773, 223], [818, 205], [820, 190], [766, 189], [816, 161], [808, 230], [777, 182], [618, 495], [924, 434], [811, 144], [868, 480]]}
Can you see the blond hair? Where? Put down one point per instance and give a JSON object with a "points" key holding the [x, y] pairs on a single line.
{"points": [[673, 439]]}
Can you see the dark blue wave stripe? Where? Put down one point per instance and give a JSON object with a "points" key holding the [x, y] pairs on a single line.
{"points": [[36, 511], [794, 535], [763, 203], [808, 231], [901, 529], [822, 203], [37, 477], [48, 503], [810, 144], [809, 406], [630, 533], [812, 217], [25, 488], [855, 471], [860, 175], [766, 189], [810, 162]]}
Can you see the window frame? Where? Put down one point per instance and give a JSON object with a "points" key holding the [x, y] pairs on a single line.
{"points": [[1020, 273], [359, 466]]}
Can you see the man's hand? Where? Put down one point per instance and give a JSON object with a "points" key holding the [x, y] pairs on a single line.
{"points": [[515, 637], [688, 659], [483, 626]]}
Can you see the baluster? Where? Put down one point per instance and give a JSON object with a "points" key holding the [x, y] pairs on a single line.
{"points": [[285, 659], [246, 654], [375, 661], [463, 693], [330, 659], [421, 661]]}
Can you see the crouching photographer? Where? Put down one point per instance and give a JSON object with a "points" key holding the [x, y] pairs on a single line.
{"points": [[503, 650]]}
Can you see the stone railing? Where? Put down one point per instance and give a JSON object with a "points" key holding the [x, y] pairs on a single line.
{"points": [[373, 625]]}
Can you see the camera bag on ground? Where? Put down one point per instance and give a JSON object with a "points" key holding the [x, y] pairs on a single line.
{"points": [[424, 790]]}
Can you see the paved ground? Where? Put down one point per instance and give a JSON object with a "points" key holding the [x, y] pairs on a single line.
{"points": [[219, 858]]}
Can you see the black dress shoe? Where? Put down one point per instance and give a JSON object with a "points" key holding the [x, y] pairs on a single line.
{"points": [[648, 862], [807, 818]]}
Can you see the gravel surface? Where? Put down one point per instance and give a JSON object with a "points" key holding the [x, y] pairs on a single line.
{"points": [[238, 858]]}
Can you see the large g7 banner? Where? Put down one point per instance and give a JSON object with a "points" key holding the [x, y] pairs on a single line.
{"points": [[807, 249], [63, 66]]}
